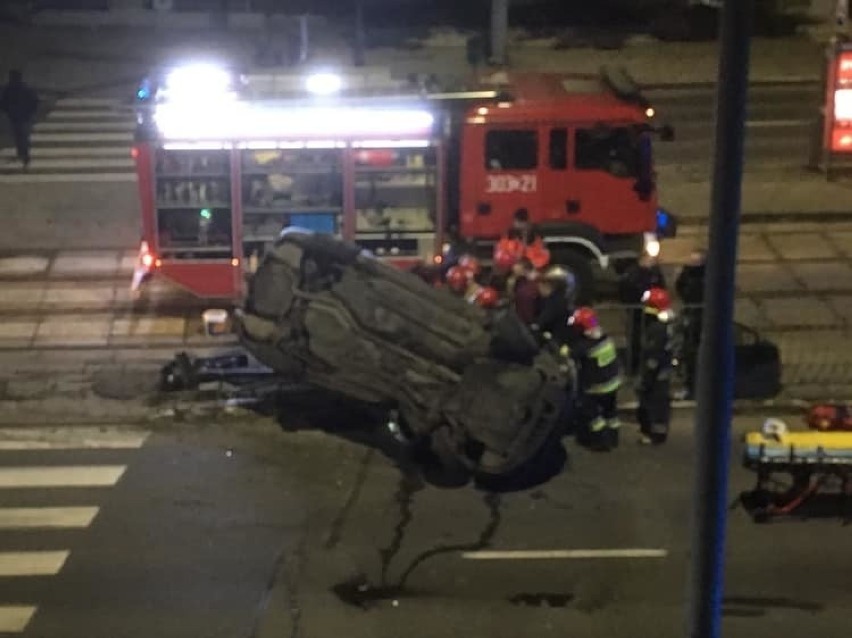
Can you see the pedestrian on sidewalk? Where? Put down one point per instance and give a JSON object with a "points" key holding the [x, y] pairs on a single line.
{"points": [[20, 103]]}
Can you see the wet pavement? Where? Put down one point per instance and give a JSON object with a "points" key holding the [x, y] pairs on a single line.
{"points": [[601, 550]]}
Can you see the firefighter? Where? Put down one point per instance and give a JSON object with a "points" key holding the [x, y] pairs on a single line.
{"points": [[458, 280], [522, 240], [598, 378], [486, 297], [653, 384], [636, 279], [690, 289], [556, 288]]}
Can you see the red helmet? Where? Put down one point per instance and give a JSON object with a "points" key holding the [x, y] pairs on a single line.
{"points": [[657, 299], [457, 279], [584, 318], [487, 297], [504, 259], [470, 264]]}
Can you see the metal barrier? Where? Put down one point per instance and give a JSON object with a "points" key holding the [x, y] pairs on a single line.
{"points": [[814, 363]]}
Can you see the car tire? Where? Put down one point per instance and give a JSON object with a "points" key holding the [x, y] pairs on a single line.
{"points": [[445, 469]]}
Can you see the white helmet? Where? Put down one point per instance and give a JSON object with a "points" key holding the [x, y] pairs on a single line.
{"points": [[562, 278], [774, 428]]}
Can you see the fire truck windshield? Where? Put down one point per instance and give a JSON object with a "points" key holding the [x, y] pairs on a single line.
{"points": [[622, 151]]}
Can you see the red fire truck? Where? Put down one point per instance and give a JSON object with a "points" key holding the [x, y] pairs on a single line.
{"points": [[402, 167]]}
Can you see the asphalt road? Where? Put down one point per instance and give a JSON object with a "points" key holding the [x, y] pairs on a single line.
{"points": [[778, 129], [275, 538]]}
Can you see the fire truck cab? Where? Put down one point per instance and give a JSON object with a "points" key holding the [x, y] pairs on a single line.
{"points": [[576, 154]]}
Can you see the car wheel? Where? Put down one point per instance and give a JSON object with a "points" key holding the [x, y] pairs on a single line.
{"points": [[444, 468]]}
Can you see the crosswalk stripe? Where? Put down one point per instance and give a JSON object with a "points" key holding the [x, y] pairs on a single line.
{"points": [[38, 152], [32, 178], [15, 618], [82, 137], [93, 126], [94, 114], [60, 476], [73, 438], [87, 102], [46, 517], [37, 563], [82, 162]]}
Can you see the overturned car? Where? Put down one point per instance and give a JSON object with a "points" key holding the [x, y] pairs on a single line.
{"points": [[472, 384]]}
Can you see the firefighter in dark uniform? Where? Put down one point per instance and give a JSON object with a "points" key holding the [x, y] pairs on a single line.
{"points": [[598, 377], [653, 386], [556, 288]]}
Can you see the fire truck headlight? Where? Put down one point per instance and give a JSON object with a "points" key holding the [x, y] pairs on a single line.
{"points": [[652, 245], [324, 83]]}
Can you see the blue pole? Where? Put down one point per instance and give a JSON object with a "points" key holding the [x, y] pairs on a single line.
{"points": [[716, 357]]}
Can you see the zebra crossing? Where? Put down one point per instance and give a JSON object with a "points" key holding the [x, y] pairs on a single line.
{"points": [[66, 441], [81, 139]]}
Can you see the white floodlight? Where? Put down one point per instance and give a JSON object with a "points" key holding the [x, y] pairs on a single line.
{"points": [[324, 83]]}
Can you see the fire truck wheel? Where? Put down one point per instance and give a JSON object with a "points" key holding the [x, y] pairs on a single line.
{"points": [[580, 266]]}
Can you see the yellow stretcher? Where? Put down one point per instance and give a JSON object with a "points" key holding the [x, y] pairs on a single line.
{"points": [[817, 464]]}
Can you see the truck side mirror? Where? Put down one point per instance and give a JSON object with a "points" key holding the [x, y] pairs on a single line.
{"points": [[667, 133]]}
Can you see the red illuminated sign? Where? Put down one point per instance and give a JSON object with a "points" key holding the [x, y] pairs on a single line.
{"points": [[838, 136]]}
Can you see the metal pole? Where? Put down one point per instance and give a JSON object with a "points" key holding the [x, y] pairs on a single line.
{"points": [[715, 382], [359, 34], [499, 30]]}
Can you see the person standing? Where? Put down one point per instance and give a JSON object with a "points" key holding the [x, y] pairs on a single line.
{"points": [[525, 291], [556, 288], [653, 387], [20, 103], [640, 276], [598, 380], [690, 289]]}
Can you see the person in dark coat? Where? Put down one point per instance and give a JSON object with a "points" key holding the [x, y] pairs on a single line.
{"points": [[556, 288], [20, 103], [690, 289], [653, 387], [640, 276], [525, 291]]}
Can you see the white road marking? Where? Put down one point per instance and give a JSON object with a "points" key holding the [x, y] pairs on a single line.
{"points": [[82, 162], [565, 554], [73, 151], [15, 618], [86, 114], [46, 517], [71, 438], [96, 102], [94, 127], [32, 563], [31, 178], [82, 137], [777, 123], [61, 476]]}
